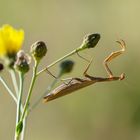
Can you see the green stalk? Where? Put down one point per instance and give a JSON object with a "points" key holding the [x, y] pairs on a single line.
{"points": [[41, 97], [58, 60], [19, 103], [21, 78], [8, 89], [14, 80], [90, 41], [24, 128], [30, 90], [13, 76]]}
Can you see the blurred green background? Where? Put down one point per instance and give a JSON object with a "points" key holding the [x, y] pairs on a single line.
{"points": [[104, 111]]}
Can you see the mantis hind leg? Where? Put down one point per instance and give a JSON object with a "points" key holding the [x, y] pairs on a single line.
{"points": [[112, 56]]}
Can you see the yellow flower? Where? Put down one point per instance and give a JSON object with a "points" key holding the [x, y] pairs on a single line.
{"points": [[11, 40]]}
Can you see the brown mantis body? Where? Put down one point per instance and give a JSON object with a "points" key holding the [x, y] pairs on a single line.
{"points": [[79, 83]]}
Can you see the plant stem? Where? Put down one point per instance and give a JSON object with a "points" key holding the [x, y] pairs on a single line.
{"points": [[21, 78], [24, 128], [19, 103], [17, 138], [8, 89], [38, 100], [30, 90], [13, 76], [14, 80], [58, 60]]}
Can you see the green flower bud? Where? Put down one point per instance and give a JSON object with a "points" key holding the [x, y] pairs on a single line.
{"points": [[90, 41], [1, 67], [19, 128], [22, 62], [38, 50], [66, 66]]}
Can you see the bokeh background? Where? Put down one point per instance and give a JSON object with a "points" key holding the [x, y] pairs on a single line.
{"points": [[104, 111]]}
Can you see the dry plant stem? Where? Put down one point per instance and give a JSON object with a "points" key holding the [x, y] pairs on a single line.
{"points": [[8, 89], [30, 90]]}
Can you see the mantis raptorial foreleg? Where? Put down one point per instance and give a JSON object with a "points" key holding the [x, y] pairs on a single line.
{"points": [[108, 59], [112, 56]]}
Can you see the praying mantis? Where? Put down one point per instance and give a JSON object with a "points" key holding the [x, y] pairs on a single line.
{"points": [[79, 83]]}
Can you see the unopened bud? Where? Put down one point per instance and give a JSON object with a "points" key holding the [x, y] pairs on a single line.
{"points": [[90, 41], [38, 50], [66, 66], [22, 62]]}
